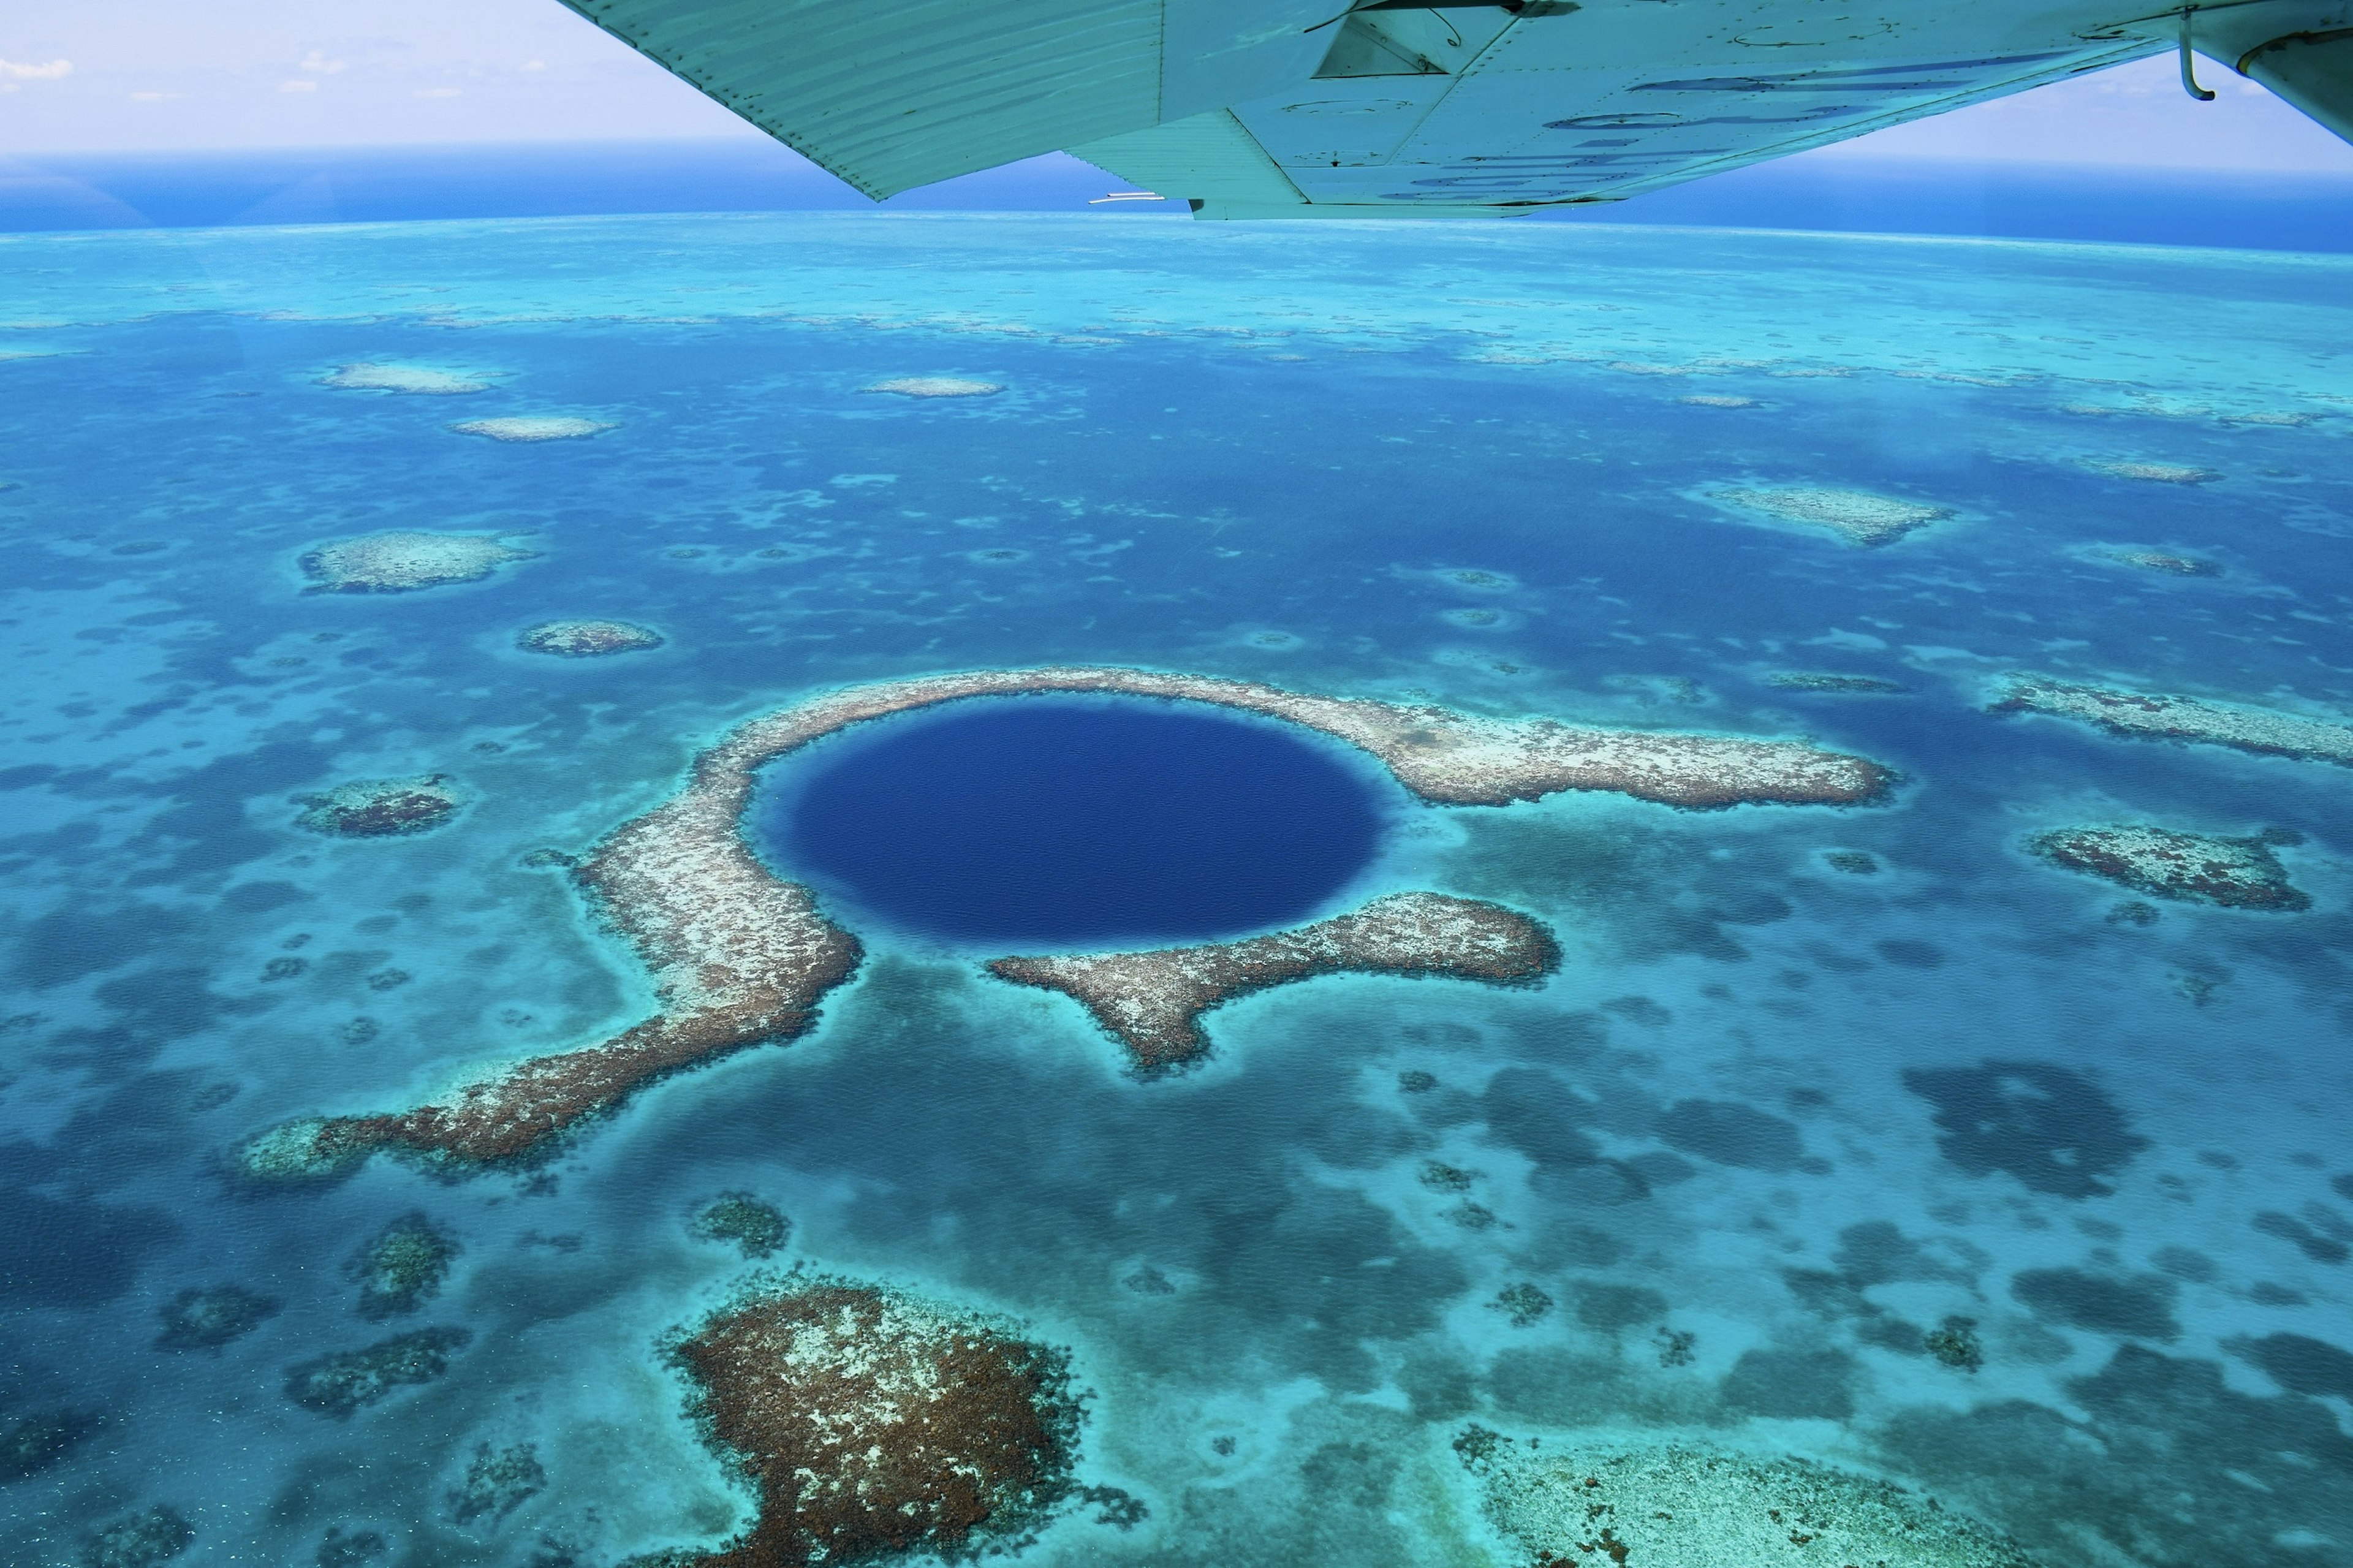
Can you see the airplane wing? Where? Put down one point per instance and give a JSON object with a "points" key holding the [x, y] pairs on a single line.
{"points": [[1251, 108]]}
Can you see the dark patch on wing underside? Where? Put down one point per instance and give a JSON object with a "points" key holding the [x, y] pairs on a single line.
{"points": [[1919, 78]]}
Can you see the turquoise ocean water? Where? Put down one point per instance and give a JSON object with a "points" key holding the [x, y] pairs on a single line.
{"points": [[1772, 1122]]}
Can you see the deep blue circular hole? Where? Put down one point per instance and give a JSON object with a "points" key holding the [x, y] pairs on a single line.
{"points": [[1063, 823]]}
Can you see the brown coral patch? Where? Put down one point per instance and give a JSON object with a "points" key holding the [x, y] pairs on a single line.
{"points": [[2144, 715], [379, 808], [1153, 1001], [2236, 873], [870, 1424]]}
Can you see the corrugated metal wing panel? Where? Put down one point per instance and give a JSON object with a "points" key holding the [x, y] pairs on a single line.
{"points": [[1612, 98], [891, 96], [1207, 158]]}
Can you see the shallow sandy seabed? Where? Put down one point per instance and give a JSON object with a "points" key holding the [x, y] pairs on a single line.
{"points": [[533, 427], [403, 561], [2158, 717], [1578, 1501], [1152, 1002], [409, 378], [1718, 400], [740, 956], [1856, 516], [936, 386]]}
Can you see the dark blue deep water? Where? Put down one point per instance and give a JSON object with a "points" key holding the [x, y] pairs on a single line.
{"points": [[1074, 822]]}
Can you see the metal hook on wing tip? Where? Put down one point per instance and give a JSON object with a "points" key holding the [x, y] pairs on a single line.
{"points": [[2189, 63]]}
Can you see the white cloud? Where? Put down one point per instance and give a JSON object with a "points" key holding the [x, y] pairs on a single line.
{"points": [[534, 65], [299, 84], [15, 70], [317, 61], [438, 92]]}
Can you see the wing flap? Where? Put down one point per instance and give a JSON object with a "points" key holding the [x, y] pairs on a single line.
{"points": [[1208, 158]]}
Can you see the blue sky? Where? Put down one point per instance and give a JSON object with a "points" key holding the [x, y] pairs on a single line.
{"points": [[144, 75]]}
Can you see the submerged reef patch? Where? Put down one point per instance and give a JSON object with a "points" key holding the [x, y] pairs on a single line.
{"points": [[1695, 1505], [198, 1318], [2145, 716], [2155, 473], [1523, 1304], [413, 378], [2052, 1129], [936, 386], [405, 559], [497, 1482], [33, 1442], [2171, 564], [741, 957], [2236, 873], [342, 1383], [587, 639], [379, 808], [1152, 1002], [403, 1268], [1955, 1343], [534, 427], [870, 1424], [756, 1229], [141, 1541], [1809, 680], [1858, 516]]}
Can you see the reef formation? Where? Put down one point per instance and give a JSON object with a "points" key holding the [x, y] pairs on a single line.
{"points": [[410, 378], [1813, 680], [32, 1443], [870, 1423], [587, 639], [2156, 473], [1858, 516], [936, 386], [379, 808], [1152, 1002], [1582, 1504], [199, 1319], [403, 1268], [497, 1482], [404, 561], [2171, 565], [342, 1382], [741, 957], [528, 428], [2236, 873], [2148, 716], [756, 1229], [142, 1540]]}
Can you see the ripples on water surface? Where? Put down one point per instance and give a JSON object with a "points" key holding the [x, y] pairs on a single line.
{"points": [[1865, 1135]]}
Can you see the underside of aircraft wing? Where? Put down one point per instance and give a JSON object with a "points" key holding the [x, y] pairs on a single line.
{"points": [[1313, 107]]}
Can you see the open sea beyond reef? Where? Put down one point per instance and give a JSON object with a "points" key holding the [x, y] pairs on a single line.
{"points": [[1860, 1134]]}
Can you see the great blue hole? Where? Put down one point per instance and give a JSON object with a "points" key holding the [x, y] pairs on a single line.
{"points": [[1051, 822]]}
